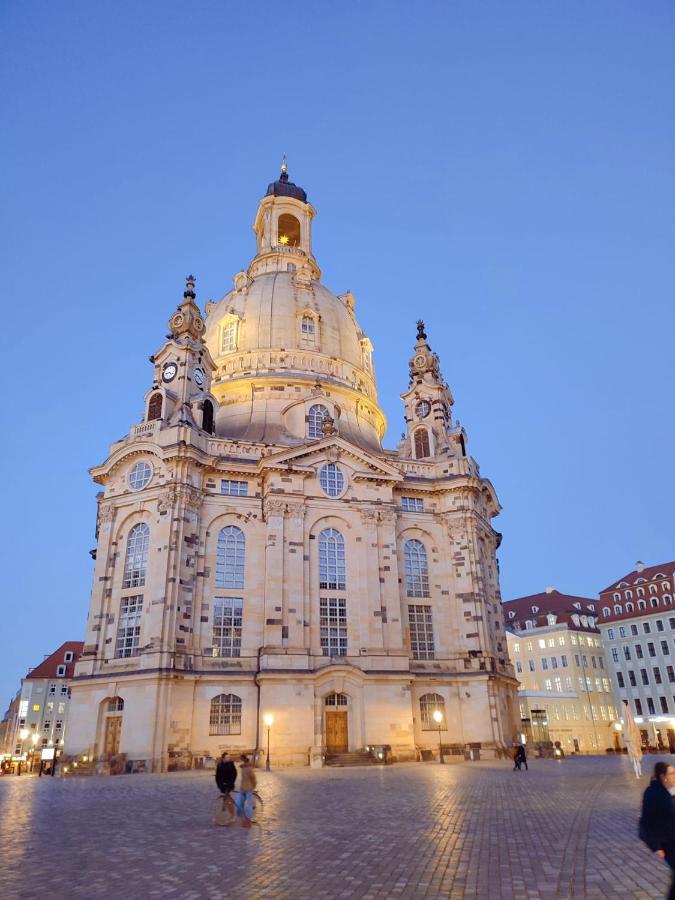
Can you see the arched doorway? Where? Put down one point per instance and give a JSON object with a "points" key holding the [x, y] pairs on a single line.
{"points": [[336, 719], [112, 725]]}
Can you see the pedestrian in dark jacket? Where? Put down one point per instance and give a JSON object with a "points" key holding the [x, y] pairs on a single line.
{"points": [[520, 758], [226, 774], [657, 822]]}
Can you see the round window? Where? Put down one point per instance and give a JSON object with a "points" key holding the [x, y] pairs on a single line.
{"points": [[140, 476], [423, 409], [331, 479]]}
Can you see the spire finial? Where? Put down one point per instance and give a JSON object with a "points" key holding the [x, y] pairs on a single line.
{"points": [[421, 335], [190, 286], [284, 165]]}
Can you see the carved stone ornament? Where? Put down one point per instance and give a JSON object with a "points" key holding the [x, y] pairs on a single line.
{"points": [[274, 506], [105, 516], [387, 515], [368, 516], [296, 511]]}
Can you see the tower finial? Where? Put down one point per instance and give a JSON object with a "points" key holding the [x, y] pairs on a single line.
{"points": [[284, 165], [190, 287], [421, 335]]}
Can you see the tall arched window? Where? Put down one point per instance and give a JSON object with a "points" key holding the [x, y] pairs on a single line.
{"points": [[422, 449], [225, 714], [416, 569], [331, 560], [155, 407], [288, 231], [429, 704], [230, 558], [315, 417], [228, 336], [207, 417], [308, 331], [136, 563]]}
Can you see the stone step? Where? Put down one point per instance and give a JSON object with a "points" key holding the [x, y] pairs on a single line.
{"points": [[353, 758]]}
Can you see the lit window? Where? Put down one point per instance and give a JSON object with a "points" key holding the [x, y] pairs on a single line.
{"points": [[228, 339], [333, 626], [551, 642], [129, 629], [235, 488], [516, 648], [331, 479], [315, 417], [227, 625], [561, 640], [412, 504], [558, 684], [542, 643], [421, 631], [429, 704], [548, 684], [136, 563], [331, 560], [230, 558], [225, 714], [416, 569], [139, 476]]}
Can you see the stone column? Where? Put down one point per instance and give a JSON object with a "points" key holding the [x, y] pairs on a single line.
{"points": [[293, 631], [273, 509], [371, 633], [390, 595]]}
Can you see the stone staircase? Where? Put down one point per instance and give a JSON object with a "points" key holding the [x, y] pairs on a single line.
{"points": [[355, 758]]}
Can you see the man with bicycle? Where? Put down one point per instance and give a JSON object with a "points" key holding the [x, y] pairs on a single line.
{"points": [[247, 786]]}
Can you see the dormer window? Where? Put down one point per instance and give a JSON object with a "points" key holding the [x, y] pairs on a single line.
{"points": [[288, 231], [551, 619], [68, 656], [577, 605], [512, 614], [228, 335], [535, 609]]}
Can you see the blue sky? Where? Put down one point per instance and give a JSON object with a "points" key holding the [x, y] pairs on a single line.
{"points": [[503, 170]]}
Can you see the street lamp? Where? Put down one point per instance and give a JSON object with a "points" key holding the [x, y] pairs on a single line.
{"points": [[268, 719], [23, 734], [438, 718]]}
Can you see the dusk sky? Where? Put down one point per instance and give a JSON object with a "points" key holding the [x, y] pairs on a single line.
{"points": [[505, 171]]}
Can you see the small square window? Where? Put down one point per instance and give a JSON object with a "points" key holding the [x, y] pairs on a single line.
{"points": [[68, 656], [60, 671]]}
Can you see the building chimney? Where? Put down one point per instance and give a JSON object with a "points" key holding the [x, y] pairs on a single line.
{"points": [[549, 589], [639, 566]]}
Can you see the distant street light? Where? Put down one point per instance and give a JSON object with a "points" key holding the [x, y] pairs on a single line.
{"points": [[268, 719], [438, 719], [23, 734]]}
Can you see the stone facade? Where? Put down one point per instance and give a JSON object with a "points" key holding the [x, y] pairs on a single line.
{"points": [[259, 552]]}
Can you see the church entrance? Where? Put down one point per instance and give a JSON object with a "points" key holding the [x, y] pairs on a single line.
{"points": [[113, 729], [337, 727]]}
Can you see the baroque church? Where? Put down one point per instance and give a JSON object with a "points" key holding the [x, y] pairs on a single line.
{"points": [[265, 570]]}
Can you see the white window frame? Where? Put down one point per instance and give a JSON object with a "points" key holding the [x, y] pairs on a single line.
{"points": [[129, 627], [234, 488], [228, 613], [420, 621]]}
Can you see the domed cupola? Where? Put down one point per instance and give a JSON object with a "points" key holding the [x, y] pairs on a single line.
{"points": [[282, 187]]}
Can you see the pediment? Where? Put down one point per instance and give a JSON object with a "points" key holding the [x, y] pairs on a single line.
{"points": [[332, 449]]}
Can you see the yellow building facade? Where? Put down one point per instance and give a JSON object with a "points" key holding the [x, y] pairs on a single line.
{"points": [[260, 554]]}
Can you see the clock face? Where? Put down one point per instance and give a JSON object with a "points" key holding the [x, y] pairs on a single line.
{"points": [[423, 408], [199, 376], [170, 371], [420, 361]]}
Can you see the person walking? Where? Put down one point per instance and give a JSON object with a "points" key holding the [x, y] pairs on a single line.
{"points": [[657, 822], [516, 758], [246, 788], [521, 756], [226, 774]]}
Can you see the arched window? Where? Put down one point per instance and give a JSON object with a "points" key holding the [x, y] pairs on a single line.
{"points": [[429, 704], [640, 592], [667, 600], [136, 563], [308, 331], [315, 417], [207, 417], [331, 560], [225, 715], [115, 704], [653, 589], [288, 231], [617, 610], [155, 407], [628, 595], [617, 596], [228, 336], [336, 700], [606, 611], [642, 604], [230, 558], [422, 443], [416, 569], [629, 607]]}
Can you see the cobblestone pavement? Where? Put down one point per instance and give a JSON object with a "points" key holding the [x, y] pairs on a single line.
{"points": [[562, 830]]}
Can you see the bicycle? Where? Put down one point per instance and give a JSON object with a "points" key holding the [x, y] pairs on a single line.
{"points": [[226, 811]]}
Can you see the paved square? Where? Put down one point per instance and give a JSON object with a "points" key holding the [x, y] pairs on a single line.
{"points": [[562, 830]]}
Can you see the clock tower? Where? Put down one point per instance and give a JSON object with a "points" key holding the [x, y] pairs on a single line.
{"points": [[181, 390], [428, 403]]}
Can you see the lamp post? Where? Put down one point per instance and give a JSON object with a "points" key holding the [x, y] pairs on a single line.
{"points": [[23, 734], [268, 719], [438, 718], [34, 738]]}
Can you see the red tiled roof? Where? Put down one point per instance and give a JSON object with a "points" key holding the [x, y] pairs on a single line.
{"points": [[47, 668], [561, 605], [648, 573]]}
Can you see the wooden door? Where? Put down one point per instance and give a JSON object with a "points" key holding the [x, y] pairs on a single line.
{"points": [[337, 738], [113, 727]]}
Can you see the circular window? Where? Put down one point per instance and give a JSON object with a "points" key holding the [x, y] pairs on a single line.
{"points": [[140, 476], [331, 479], [423, 409]]}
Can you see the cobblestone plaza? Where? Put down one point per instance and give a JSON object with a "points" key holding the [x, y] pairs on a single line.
{"points": [[561, 830]]}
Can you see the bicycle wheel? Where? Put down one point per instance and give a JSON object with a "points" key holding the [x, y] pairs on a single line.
{"points": [[225, 812], [258, 807]]}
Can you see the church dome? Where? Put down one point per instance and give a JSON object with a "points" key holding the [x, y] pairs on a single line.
{"points": [[282, 187]]}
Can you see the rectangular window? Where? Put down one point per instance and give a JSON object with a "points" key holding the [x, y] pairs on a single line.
{"points": [[626, 652], [671, 622], [516, 648], [530, 664], [622, 631], [68, 656], [664, 704], [421, 631], [519, 666], [638, 651], [65, 690], [594, 660], [227, 625], [551, 642], [234, 488], [603, 712], [671, 673], [665, 649], [561, 640], [576, 659], [59, 725], [605, 685], [52, 690], [619, 678], [601, 662], [62, 708], [333, 626], [610, 634], [650, 706], [573, 638], [229, 337], [558, 684], [544, 663], [542, 644], [645, 676], [631, 678], [60, 671], [412, 504], [46, 725], [129, 629], [615, 654], [657, 674], [659, 625], [563, 660], [547, 684], [638, 707], [582, 684], [650, 648], [646, 627], [568, 683]]}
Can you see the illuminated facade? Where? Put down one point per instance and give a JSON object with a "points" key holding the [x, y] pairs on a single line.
{"points": [[259, 552]]}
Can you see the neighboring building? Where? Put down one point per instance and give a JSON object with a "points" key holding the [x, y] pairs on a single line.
{"points": [[565, 689], [637, 623], [44, 701], [8, 725], [259, 552]]}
